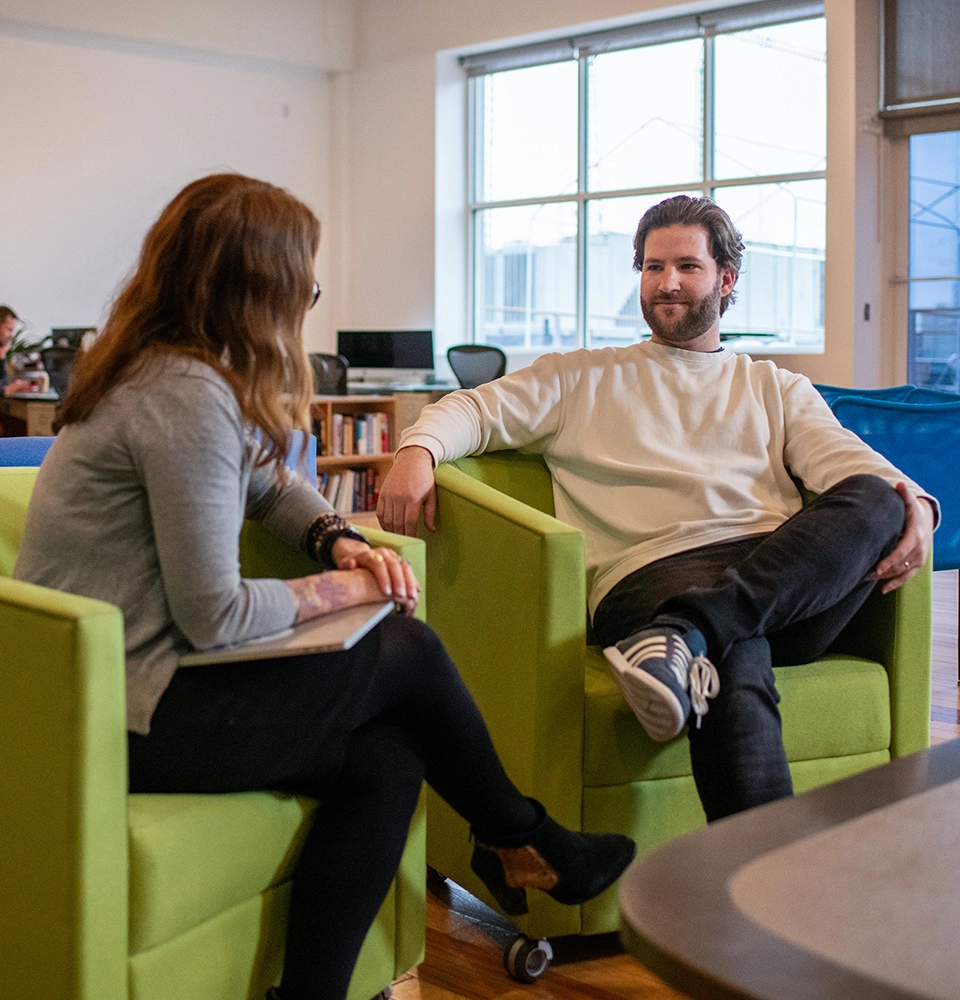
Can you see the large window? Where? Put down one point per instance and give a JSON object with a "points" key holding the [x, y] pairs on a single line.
{"points": [[571, 141]]}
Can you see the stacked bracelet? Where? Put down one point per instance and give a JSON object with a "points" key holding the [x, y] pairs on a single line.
{"points": [[322, 533]]}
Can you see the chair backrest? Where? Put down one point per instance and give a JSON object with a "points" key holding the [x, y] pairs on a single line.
{"points": [[474, 364], [303, 460], [329, 374], [24, 450], [922, 440], [524, 477], [16, 486], [897, 393], [58, 361]]}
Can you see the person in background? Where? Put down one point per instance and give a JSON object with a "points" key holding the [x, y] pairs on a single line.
{"points": [[9, 323], [678, 460], [140, 502]]}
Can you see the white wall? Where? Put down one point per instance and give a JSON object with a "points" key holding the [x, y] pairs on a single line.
{"points": [[390, 276], [103, 123]]}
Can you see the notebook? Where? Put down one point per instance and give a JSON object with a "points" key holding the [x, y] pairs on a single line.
{"points": [[326, 634]]}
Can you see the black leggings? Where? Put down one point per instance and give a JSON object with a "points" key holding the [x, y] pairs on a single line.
{"points": [[358, 730]]}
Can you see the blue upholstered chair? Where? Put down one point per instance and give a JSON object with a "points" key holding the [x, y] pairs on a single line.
{"points": [[920, 434], [303, 461], [24, 450]]}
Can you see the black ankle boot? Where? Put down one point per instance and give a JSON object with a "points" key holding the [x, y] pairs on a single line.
{"points": [[569, 866]]}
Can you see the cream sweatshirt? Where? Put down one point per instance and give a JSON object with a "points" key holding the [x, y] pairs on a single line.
{"points": [[654, 450]]}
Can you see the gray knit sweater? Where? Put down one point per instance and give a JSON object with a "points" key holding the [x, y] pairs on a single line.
{"points": [[141, 505]]}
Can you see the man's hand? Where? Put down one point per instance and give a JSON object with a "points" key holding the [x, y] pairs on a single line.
{"points": [[408, 488], [914, 545]]}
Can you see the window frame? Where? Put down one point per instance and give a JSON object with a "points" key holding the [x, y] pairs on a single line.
{"points": [[706, 26]]}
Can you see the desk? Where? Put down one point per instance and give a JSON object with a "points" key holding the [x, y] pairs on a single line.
{"points": [[36, 409], [848, 892], [389, 388]]}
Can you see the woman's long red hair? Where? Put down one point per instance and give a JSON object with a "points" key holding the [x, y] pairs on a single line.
{"points": [[225, 276]]}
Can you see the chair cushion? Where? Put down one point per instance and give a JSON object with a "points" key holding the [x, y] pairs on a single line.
{"points": [[835, 707], [195, 856]]}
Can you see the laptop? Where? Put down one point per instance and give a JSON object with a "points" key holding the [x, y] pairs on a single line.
{"points": [[326, 634]]}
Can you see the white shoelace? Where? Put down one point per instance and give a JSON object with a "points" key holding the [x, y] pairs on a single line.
{"points": [[704, 684]]}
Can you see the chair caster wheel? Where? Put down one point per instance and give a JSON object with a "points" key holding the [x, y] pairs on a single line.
{"points": [[436, 881], [527, 960]]}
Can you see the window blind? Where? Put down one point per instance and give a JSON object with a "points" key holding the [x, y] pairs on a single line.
{"points": [[921, 39]]}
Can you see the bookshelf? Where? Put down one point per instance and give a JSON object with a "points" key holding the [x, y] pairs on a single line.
{"points": [[355, 445]]}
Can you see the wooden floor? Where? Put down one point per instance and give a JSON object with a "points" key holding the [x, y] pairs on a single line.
{"points": [[465, 939]]}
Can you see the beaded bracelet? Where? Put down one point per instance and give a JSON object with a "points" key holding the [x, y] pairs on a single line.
{"points": [[321, 535]]}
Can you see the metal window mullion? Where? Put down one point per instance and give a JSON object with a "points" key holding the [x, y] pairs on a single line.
{"points": [[471, 234], [709, 117], [582, 156], [666, 189]]}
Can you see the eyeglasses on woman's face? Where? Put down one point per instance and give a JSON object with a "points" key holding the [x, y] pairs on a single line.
{"points": [[314, 295]]}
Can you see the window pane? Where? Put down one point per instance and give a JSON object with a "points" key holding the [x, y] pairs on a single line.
{"points": [[935, 205], [933, 342], [778, 126], [527, 132], [644, 117], [526, 277], [613, 287], [780, 289]]}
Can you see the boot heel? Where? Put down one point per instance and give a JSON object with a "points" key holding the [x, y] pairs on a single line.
{"points": [[487, 866]]}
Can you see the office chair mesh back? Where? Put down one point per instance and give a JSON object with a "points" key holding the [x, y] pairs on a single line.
{"points": [[58, 361], [329, 374], [474, 364]]}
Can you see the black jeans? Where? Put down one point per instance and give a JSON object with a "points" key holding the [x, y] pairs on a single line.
{"points": [[762, 601], [358, 730]]}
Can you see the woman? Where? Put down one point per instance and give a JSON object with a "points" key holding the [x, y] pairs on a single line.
{"points": [[140, 502]]}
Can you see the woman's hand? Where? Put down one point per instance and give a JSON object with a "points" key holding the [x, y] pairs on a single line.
{"points": [[393, 574]]}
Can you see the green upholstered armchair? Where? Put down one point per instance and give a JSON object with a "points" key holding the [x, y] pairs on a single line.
{"points": [[110, 896], [507, 596]]}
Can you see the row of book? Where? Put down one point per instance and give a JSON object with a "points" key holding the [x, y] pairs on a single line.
{"points": [[351, 490], [354, 434]]}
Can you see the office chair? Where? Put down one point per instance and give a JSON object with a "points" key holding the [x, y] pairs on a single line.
{"points": [[474, 364], [58, 361], [329, 374]]}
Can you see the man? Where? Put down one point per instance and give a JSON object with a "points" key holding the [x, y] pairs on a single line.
{"points": [[678, 460], [9, 321]]}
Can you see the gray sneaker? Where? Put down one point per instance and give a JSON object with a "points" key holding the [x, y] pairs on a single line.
{"points": [[664, 674]]}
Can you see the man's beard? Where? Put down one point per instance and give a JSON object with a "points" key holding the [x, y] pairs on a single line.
{"points": [[698, 317]]}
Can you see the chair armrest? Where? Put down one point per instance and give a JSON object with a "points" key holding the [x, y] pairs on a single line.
{"points": [[63, 789], [895, 629], [507, 586], [264, 555]]}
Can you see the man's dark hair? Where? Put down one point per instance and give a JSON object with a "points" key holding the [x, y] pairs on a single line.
{"points": [[726, 245], [6, 313]]}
